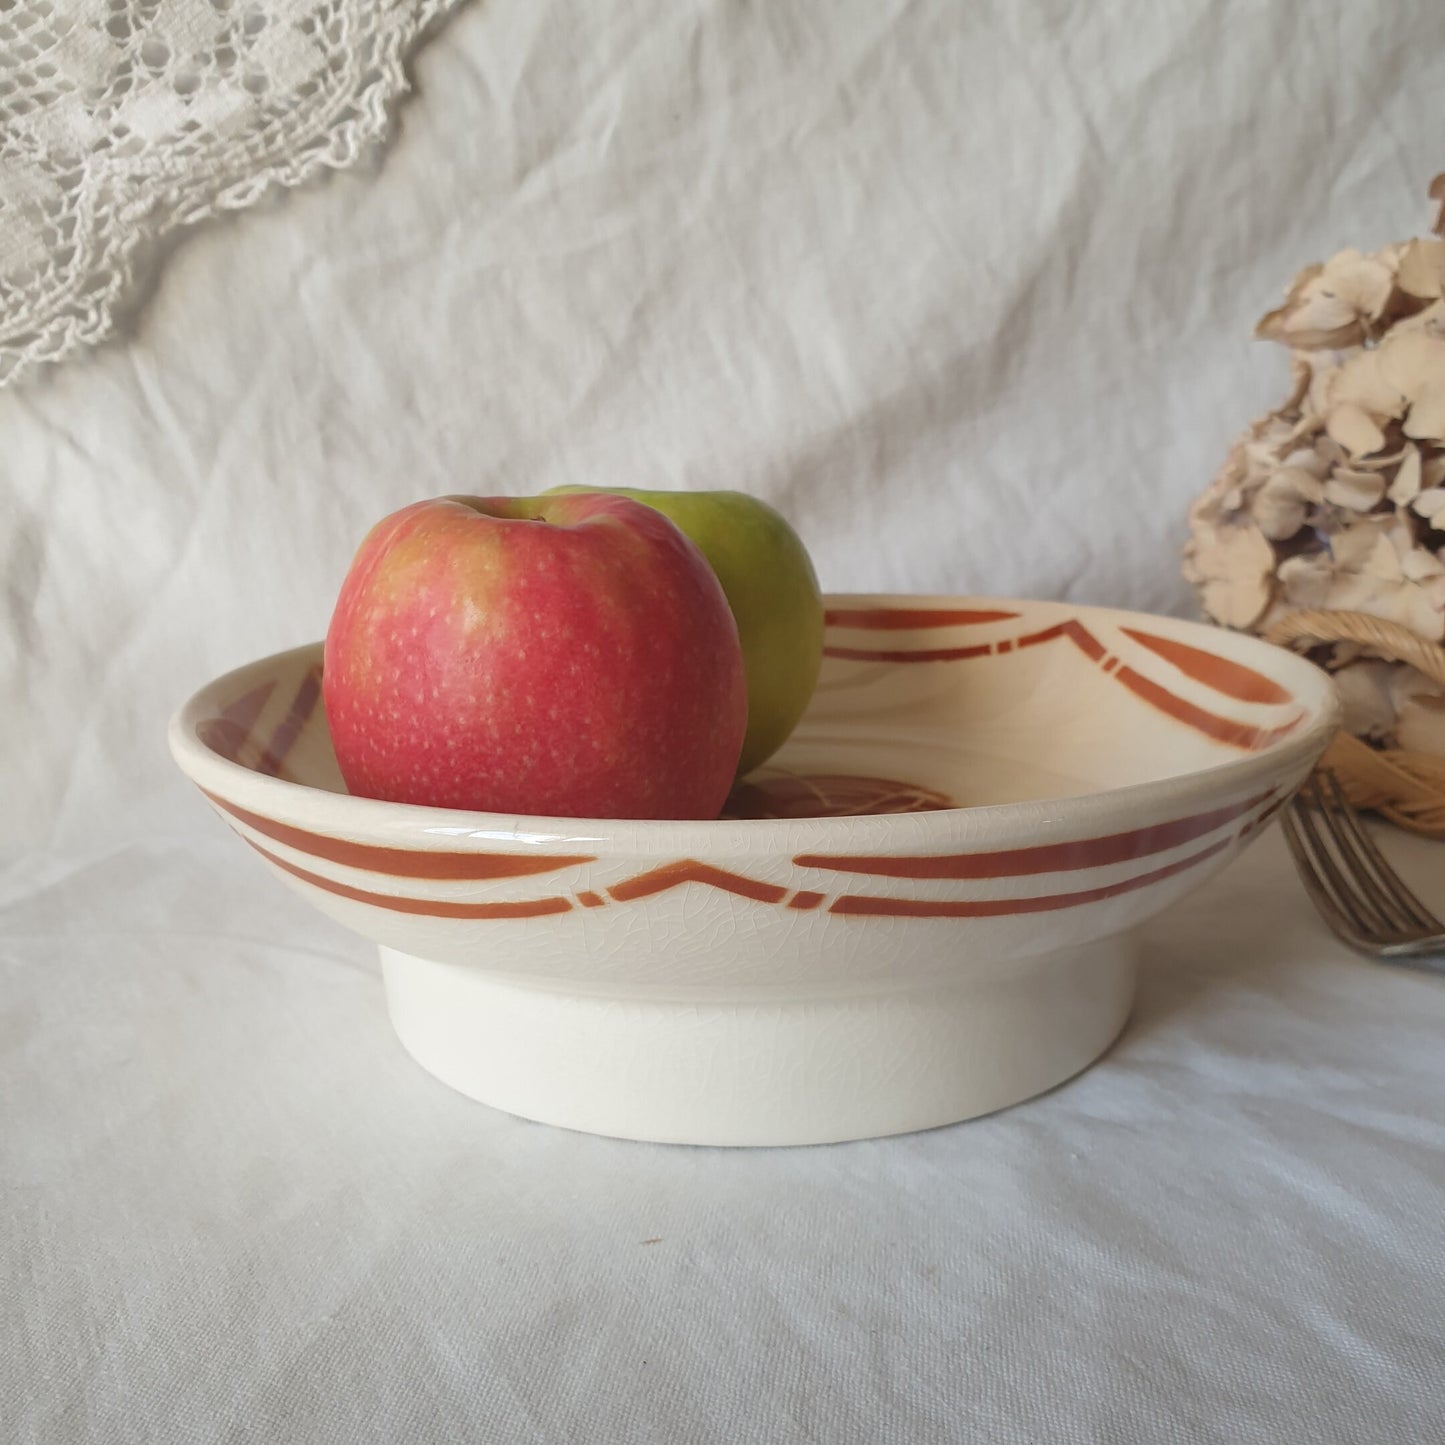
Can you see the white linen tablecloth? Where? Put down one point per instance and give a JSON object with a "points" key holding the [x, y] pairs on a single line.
{"points": [[966, 290], [235, 1209]]}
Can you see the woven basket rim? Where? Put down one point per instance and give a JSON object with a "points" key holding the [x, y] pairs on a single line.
{"points": [[1407, 787]]}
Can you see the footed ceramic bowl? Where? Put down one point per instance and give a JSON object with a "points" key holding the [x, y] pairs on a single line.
{"points": [[920, 911]]}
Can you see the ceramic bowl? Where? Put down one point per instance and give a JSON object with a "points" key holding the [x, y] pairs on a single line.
{"points": [[919, 912]]}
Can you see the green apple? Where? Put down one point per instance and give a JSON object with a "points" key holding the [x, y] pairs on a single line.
{"points": [[773, 592]]}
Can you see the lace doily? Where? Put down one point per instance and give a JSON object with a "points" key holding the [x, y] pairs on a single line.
{"points": [[122, 119]]}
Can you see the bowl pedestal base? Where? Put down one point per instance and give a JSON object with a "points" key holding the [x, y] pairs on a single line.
{"points": [[800, 1068]]}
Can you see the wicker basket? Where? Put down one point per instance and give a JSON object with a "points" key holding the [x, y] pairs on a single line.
{"points": [[1408, 788]]}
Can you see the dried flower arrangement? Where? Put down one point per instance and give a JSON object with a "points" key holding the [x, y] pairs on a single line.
{"points": [[1326, 525]]}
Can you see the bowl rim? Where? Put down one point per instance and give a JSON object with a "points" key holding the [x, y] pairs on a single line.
{"points": [[1033, 820]]}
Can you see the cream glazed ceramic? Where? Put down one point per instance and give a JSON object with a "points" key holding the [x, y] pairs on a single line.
{"points": [[920, 911]]}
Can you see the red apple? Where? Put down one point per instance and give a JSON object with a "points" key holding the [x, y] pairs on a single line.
{"points": [[565, 655]]}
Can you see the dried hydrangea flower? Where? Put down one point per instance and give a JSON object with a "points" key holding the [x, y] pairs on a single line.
{"points": [[1336, 499]]}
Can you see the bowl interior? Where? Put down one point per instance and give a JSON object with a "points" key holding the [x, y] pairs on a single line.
{"points": [[923, 703]]}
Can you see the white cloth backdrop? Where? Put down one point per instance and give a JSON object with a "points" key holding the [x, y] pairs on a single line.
{"points": [[965, 289]]}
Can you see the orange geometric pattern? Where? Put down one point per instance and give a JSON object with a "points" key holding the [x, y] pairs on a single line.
{"points": [[689, 870], [1076, 857], [1233, 679], [829, 795], [1072, 857], [1002, 907], [403, 862], [1230, 679], [785, 795]]}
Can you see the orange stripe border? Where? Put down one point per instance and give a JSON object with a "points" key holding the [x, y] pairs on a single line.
{"points": [[441, 865]]}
